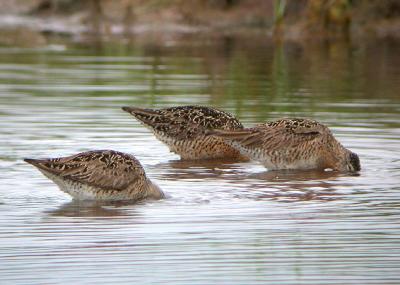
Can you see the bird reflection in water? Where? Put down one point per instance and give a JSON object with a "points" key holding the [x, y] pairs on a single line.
{"points": [[197, 169], [281, 185], [77, 208], [296, 185]]}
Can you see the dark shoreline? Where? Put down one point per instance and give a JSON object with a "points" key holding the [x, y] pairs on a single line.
{"points": [[42, 24]]}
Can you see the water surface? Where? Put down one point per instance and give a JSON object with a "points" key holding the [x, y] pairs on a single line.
{"points": [[224, 222]]}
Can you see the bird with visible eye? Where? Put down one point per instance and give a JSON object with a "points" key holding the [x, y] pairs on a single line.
{"points": [[291, 144], [99, 175]]}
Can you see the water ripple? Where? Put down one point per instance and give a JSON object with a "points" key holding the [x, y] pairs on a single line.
{"points": [[223, 222]]}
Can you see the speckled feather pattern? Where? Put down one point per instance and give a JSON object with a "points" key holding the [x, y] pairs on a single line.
{"points": [[100, 175], [292, 143], [183, 129]]}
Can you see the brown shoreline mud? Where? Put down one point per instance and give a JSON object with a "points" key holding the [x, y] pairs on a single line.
{"points": [[35, 23]]}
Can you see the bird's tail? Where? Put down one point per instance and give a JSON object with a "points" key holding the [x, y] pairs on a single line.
{"points": [[149, 117]]}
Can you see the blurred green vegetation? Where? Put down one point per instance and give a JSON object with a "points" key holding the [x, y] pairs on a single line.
{"points": [[293, 19], [242, 73]]}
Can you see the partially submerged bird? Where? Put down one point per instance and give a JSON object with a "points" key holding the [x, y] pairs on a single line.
{"points": [[183, 129], [292, 144], [99, 175]]}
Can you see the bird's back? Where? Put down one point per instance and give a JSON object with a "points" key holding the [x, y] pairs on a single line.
{"points": [[294, 143], [101, 174], [183, 129]]}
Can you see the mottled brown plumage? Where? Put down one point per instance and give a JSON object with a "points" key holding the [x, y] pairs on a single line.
{"points": [[99, 175], [183, 129], [292, 144]]}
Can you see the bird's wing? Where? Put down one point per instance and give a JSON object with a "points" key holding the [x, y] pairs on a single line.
{"points": [[103, 169], [274, 135], [184, 122]]}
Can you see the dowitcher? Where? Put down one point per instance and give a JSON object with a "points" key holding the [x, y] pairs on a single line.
{"points": [[183, 129], [99, 175], [292, 144]]}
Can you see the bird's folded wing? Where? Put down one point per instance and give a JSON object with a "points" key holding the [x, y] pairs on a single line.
{"points": [[105, 170]]}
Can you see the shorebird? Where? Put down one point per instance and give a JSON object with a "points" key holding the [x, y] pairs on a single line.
{"points": [[183, 129], [291, 144], [99, 175]]}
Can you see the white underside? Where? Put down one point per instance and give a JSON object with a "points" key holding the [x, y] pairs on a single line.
{"points": [[259, 155], [76, 190], [80, 191], [200, 148]]}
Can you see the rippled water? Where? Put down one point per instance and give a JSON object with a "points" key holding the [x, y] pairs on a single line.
{"points": [[224, 223]]}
